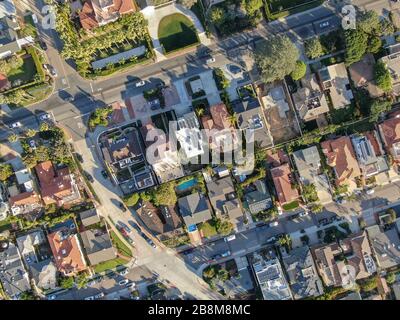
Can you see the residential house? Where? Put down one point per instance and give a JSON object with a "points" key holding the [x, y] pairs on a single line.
{"points": [[36, 253], [97, 246], [97, 13], [13, 276], [308, 164], [161, 154], [385, 245], [3, 203], [270, 277], [89, 217], [10, 43], [67, 252], [334, 260], [25, 203], [7, 8], [221, 132], [194, 209], [283, 182], [250, 119], [24, 179], [363, 75], [259, 199], [341, 157], [303, 277], [389, 131], [57, 186], [309, 100], [225, 202], [189, 136], [392, 62], [370, 154], [163, 222], [335, 82]]}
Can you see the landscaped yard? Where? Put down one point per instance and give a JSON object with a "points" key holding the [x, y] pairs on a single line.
{"points": [[121, 247], [281, 8], [290, 206], [25, 73], [176, 31], [110, 264], [208, 229]]}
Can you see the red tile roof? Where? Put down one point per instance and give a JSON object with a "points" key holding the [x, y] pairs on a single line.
{"points": [[281, 176], [390, 132], [24, 199], [67, 252], [340, 155], [87, 17]]}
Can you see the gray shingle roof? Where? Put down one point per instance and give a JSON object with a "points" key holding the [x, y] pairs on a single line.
{"points": [[194, 209]]}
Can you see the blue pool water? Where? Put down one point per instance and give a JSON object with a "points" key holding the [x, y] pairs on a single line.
{"points": [[192, 228], [186, 185]]}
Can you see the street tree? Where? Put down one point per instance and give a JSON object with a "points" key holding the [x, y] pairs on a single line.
{"points": [[313, 48], [276, 58]]}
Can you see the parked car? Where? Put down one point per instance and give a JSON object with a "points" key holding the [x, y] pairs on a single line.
{"points": [[140, 84], [50, 69], [89, 298], [104, 174], [135, 226], [230, 238], [88, 176], [43, 45], [78, 157], [370, 191], [150, 242], [303, 213], [124, 272], [32, 144], [226, 254], [51, 297], [45, 116], [99, 295], [121, 206], [274, 224], [123, 282], [210, 60], [16, 125]]}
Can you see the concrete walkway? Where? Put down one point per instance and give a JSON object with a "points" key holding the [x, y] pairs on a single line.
{"points": [[155, 15]]}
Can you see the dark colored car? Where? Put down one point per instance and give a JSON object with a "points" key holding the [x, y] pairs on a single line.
{"points": [[88, 176], [135, 226], [104, 174], [78, 157], [43, 45], [122, 206]]}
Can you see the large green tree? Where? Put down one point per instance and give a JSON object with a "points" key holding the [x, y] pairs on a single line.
{"points": [[313, 48], [164, 195], [377, 108], [276, 58], [217, 15], [5, 171], [382, 77], [300, 70]]}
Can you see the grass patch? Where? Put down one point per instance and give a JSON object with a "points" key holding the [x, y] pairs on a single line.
{"points": [[110, 264], [176, 32], [25, 73], [276, 9], [121, 247], [208, 229], [291, 205]]}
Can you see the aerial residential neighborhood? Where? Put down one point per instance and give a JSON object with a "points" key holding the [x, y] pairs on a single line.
{"points": [[199, 150]]}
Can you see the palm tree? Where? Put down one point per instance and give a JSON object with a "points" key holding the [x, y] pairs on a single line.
{"points": [[285, 240], [200, 111], [232, 119]]}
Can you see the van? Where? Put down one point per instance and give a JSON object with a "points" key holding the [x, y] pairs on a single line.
{"points": [[230, 238]]}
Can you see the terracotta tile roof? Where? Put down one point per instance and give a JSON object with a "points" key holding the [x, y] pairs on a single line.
{"points": [[124, 6], [340, 155], [371, 136], [24, 198], [54, 185], [390, 132], [277, 158], [87, 17], [281, 177], [67, 252]]}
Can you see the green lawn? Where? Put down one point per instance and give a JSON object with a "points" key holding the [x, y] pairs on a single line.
{"points": [[176, 31], [25, 73], [110, 264], [208, 229], [276, 9], [290, 206], [121, 247]]}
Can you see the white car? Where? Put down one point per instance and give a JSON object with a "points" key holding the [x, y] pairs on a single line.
{"points": [[124, 272], [16, 125], [230, 238], [303, 213], [45, 116], [370, 191], [123, 282], [140, 84], [210, 60], [100, 295], [324, 24], [274, 224], [89, 298], [52, 297]]}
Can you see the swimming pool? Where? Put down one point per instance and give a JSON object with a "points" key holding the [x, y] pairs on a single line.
{"points": [[186, 185]]}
